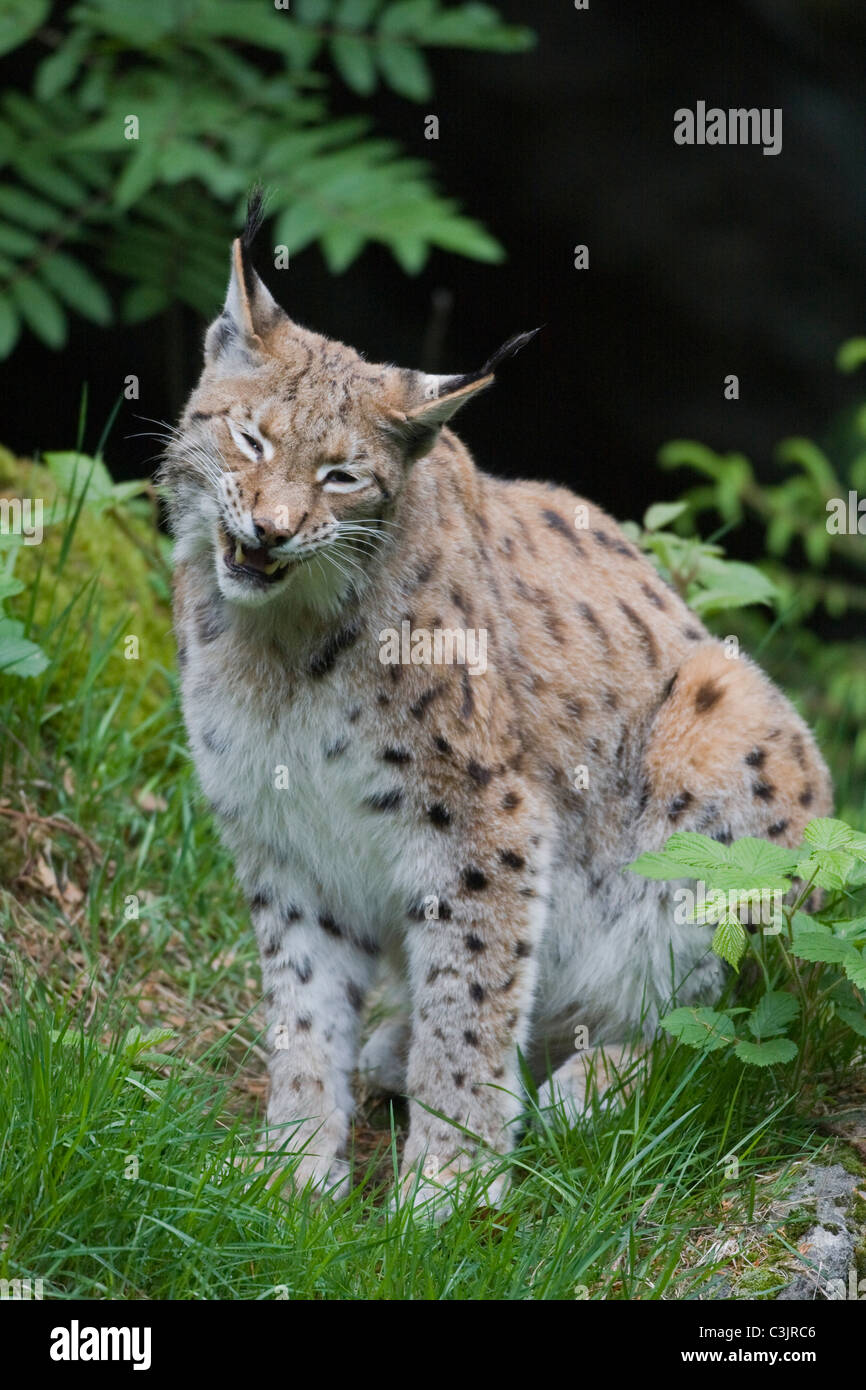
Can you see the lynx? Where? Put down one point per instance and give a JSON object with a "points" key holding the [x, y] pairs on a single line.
{"points": [[457, 832]]}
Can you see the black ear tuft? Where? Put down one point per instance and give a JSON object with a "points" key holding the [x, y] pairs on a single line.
{"points": [[507, 350], [514, 344], [255, 216]]}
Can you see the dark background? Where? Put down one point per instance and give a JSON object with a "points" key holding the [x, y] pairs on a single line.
{"points": [[703, 261]]}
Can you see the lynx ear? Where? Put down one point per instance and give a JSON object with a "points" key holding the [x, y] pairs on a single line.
{"points": [[444, 395], [250, 311]]}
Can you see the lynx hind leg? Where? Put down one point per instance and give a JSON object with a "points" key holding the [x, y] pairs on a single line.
{"points": [[729, 756], [594, 1073]]}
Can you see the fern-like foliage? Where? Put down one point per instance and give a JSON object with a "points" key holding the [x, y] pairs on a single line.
{"points": [[146, 124]]}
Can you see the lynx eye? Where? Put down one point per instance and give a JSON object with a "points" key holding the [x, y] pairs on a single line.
{"points": [[339, 479], [252, 446]]}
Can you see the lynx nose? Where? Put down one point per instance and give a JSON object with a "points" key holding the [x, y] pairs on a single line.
{"points": [[268, 532]]}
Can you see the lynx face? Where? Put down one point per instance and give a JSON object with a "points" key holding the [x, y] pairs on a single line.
{"points": [[292, 450]]}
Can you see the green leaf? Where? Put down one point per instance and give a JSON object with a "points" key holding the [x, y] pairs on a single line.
{"points": [[828, 949], [75, 283], [10, 326], [729, 940], [19, 19], [661, 513], [72, 471], [18, 656], [9, 585], [825, 833], [341, 245], [353, 59], [759, 864], [855, 968], [40, 310], [851, 355], [55, 72], [405, 70], [406, 17], [702, 1028], [827, 869], [141, 172], [142, 302], [854, 1018], [766, 1054], [36, 213], [723, 584], [355, 14], [775, 1010]]}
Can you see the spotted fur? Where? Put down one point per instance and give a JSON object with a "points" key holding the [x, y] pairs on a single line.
{"points": [[423, 823]]}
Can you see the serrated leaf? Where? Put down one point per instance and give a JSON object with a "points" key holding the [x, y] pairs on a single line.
{"points": [[760, 864], [827, 868], [660, 514], [702, 1028], [828, 949], [775, 1010], [766, 1054], [857, 845], [825, 833], [729, 940], [855, 968]]}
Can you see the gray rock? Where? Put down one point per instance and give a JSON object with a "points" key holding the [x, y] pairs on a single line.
{"points": [[828, 1247]]}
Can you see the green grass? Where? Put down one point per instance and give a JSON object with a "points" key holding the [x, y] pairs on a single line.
{"points": [[100, 815]]}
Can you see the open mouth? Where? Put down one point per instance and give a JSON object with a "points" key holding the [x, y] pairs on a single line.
{"points": [[254, 564]]}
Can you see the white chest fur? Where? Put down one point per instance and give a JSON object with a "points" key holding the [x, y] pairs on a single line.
{"points": [[293, 797]]}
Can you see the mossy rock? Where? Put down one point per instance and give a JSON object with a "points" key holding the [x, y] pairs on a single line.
{"points": [[116, 546]]}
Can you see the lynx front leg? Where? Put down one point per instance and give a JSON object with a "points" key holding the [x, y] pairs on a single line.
{"points": [[316, 975], [472, 957]]}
